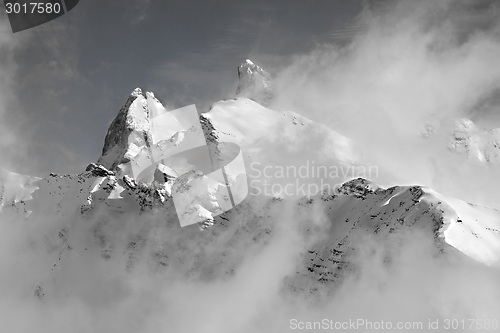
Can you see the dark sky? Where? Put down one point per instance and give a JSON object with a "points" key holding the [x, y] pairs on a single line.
{"points": [[73, 74]]}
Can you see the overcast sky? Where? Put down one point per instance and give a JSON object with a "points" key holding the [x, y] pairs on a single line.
{"points": [[73, 74]]}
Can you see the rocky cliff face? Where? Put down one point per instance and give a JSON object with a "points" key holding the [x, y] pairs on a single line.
{"points": [[254, 83], [128, 132]]}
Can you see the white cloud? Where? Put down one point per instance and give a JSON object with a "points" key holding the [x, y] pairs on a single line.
{"points": [[416, 62]]}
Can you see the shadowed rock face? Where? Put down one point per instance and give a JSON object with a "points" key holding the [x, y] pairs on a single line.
{"points": [[130, 131], [127, 131], [254, 83]]}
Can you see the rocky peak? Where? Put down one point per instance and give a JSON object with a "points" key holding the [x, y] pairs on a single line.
{"points": [[475, 142], [127, 132], [358, 188], [465, 138], [254, 83]]}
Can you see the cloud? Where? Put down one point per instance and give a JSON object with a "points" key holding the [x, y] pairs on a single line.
{"points": [[12, 142], [405, 278], [416, 62], [140, 9], [44, 68]]}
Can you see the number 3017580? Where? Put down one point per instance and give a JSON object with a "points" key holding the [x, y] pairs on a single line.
{"points": [[478, 324], [33, 8]]}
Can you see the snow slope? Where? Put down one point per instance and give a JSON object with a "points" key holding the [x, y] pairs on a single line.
{"points": [[283, 141], [15, 188]]}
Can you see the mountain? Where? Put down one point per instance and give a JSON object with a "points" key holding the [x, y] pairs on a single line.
{"points": [[254, 83], [463, 137], [123, 209]]}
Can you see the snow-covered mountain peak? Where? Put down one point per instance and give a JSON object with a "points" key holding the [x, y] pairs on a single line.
{"points": [[463, 137], [127, 132], [358, 187], [254, 83], [475, 142]]}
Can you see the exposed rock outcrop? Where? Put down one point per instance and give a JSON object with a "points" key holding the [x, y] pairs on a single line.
{"points": [[254, 83], [128, 132], [465, 138]]}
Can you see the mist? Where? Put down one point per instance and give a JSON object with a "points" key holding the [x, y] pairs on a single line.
{"points": [[12, 144], [415, 63], [57, 278]]}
